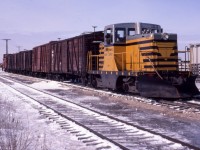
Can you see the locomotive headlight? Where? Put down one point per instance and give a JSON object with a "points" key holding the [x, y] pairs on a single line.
{"points": [[165, 36]]}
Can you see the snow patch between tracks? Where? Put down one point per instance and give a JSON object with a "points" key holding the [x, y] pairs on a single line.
{"points": [[47, 85]]}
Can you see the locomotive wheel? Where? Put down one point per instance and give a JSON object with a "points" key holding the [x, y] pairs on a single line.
{"points": [[125, 87]]}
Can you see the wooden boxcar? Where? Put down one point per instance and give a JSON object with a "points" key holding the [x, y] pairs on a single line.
{"points": [[21, 62], [65, 59], [41, 59], [77, 49]]}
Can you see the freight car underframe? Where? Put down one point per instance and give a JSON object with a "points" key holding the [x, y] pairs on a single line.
{"points": [[74, 77], [23, 72], [170, 85], [51, 76]]}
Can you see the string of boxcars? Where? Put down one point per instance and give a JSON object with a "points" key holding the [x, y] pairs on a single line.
{"points": [[127, 57], [64, 59]]}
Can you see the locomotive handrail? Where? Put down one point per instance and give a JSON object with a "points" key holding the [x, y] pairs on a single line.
{"points": [[88, 62], [155, 68], [90, 66], [123, 67]]}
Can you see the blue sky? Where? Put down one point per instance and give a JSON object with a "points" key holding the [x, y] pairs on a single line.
{"points": [[33, 22]]}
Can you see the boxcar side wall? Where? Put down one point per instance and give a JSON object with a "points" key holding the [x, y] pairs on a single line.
{"points": [[73, 55], [78, 48], [28, 61], [5, 62], [64, 56], [36, 60], [56, 57], [45, 58]]}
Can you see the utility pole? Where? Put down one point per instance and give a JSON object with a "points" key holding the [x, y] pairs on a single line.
{"points": [[6, 44], [94, 30]]}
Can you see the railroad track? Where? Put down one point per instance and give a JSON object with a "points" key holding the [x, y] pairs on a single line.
{"points": [[101, 130], [179, 105]]}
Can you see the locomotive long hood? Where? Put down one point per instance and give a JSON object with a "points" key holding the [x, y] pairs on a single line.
{"points": [[161, 88]]}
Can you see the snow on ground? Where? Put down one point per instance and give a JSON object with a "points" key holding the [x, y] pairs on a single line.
{"points": [[95, 98], [188, 130], [141, 116], [47, 85], [44, 133]]}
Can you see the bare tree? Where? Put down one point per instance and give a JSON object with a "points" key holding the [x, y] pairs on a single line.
{"points": [[12, 134]]}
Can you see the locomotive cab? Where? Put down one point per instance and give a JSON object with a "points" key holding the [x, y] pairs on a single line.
{"points": [[119, 33], [115, 37], [129, 46]]}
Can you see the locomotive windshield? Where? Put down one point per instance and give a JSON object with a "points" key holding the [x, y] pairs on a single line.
{"points": [[131, 31], [150, 30], [118, 33]]}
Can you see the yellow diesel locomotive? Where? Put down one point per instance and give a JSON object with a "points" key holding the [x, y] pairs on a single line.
{"points": [[140, 58]]}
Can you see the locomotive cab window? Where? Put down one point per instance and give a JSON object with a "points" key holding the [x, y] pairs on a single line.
{"points": [[146, 30], [131, 31], [154, 31], [120, 35], [108, 36]]}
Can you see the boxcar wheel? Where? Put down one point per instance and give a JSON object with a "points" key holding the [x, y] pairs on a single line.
{"points": [[94, 83], [84, 81]]}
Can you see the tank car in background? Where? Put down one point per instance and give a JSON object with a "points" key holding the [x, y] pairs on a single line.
{"points": [[140, 58], [195, 58]]}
